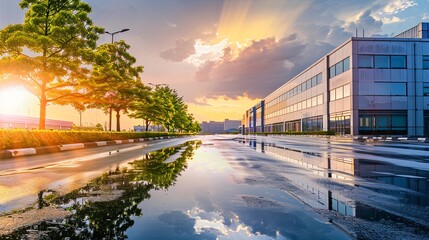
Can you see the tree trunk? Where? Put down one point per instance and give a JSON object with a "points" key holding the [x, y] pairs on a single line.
{"points": [[43, 104], [118, 120], [147, 124], [110, 119]]}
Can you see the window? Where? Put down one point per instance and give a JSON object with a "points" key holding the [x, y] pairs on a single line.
{"points": [[320, 99], [339, 93], [339, 68], [398, 62], [347, 90], [346, 64], [308, 83], [426, 62], [332, 71], [304, 86], [332, 95], [319, 78], [426, 91], [313, 81], [398, 89], [365, 61], [382, 61]]}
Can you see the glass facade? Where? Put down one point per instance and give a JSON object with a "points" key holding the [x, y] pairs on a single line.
{"points": [[312, 124], [379, 122], [293, 126], [340, 123], [382, 61]]}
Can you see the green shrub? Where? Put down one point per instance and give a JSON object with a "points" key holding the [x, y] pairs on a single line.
{"points": [[11, 139]]}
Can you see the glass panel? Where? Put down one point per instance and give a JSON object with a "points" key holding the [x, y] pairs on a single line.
{"points": [[339, 68], [319, 78], [382, 89], [332, 72], [304, 104], [304, 87], [314, 101], [332, 95], [346, 64], [382, 122], [398, 89], [313, 81], [339, 93], [399, 121], [365, 61], [398, 62], [309, 103], [426, 91], [382, 62], [347, 90], [308, 84], [320, 99]]}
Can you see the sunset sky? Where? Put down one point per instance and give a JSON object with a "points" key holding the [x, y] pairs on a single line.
{"points": [[223, 56]]}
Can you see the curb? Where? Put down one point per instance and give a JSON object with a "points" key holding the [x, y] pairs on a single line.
{"points": [[13, 153], [391, 139]]}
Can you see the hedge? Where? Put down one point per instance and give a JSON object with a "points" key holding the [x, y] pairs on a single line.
{"points": [[12, 139], [296, 133]]}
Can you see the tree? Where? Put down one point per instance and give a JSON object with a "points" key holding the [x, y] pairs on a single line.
{"points": [[50, 53], [146, 107], [115, 81]]}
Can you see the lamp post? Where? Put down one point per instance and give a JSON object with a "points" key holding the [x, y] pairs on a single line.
{"points": [[114, 33], [110, 108]]}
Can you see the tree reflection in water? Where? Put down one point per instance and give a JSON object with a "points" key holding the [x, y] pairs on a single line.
{"points": [[104, 208]]}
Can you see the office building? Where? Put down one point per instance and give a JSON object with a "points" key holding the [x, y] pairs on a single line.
{"points": [[365, 86]]}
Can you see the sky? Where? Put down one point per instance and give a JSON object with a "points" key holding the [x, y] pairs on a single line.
{"points": [[224, 56]]}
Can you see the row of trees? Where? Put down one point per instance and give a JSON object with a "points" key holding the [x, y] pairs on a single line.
{"points": [[54, 55]]}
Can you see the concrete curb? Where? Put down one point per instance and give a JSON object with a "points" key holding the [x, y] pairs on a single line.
{"points": [[13, 153], [391, 139]]}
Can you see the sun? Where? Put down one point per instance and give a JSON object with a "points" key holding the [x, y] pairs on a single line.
{"points": [[15, 101]]}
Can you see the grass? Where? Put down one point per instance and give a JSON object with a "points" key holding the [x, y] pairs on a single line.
{"points": [[12, 139]]}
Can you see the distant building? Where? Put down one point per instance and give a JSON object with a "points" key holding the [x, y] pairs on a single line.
{"points": [[212, 127], [231, 125], [151, 128], [23, 122]]}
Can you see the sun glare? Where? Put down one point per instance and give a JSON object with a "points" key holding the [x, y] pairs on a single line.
{"points": [[15, 101]]}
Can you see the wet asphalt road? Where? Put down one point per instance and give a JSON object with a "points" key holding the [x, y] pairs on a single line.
{"points": [[236, 187], [21, 179]]}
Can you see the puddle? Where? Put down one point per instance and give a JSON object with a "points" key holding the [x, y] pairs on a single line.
{"points": [[105, 206], [345, 173]]}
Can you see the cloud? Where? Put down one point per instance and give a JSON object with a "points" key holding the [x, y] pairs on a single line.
{"points": [[394, 19], [366, 22], [172, 25], [184, 49], [257, 69], [398, 6]]}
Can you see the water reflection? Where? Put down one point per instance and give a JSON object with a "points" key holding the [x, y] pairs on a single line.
{"points": [[105, 207], [344, 168]]}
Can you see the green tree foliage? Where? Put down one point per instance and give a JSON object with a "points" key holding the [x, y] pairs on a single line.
{"points": [[164, 106], [115, 81], [50, 53]]}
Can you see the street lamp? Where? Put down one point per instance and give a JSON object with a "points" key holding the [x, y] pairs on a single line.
{"points": [[110, 108], [114, 33], [156, 85]]}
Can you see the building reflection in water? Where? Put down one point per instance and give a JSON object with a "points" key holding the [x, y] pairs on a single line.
{"points": [[344, 169]]}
